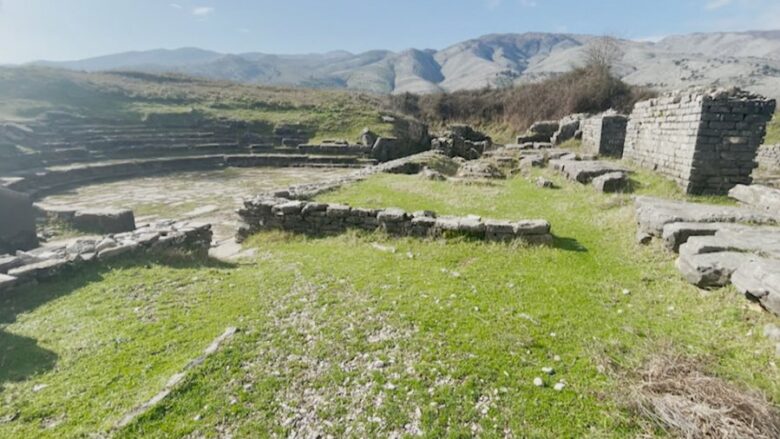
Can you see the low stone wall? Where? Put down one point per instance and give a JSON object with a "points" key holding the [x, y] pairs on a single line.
{"points": [[604, 134], [323, 219], [706, 141], [93, 220], [46, 262], [39, 183], [768, 157]]}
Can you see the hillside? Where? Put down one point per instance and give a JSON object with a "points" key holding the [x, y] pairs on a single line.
{"points": [[747, 59], [27, 92]]}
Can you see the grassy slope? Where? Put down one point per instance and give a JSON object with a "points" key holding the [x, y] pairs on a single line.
{"points": [[442, 336], [27, 92]]}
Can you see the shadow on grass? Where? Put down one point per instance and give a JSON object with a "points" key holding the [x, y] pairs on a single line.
{"points": [[21, 357], [568, 244]]}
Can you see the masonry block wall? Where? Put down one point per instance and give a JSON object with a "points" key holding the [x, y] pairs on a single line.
{"points": [[605, 134], [706, 141]]}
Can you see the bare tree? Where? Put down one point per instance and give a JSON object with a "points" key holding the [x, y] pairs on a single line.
{"points": [[603, 52]]}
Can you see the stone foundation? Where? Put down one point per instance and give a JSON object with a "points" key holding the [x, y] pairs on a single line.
{"points": [[706, 142], [317, 219]]}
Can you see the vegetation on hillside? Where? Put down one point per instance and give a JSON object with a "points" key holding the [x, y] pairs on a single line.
{"points": [[508, 111]]}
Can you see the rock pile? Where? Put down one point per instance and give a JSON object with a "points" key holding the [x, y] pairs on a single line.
{"points": [[539, 132], [159, 238], [94, 220], [313, 218]]}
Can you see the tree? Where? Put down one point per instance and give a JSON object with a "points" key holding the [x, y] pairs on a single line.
{"points": [[603, 53]]}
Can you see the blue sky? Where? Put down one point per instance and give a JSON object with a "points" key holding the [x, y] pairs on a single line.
{"points": [[72, 29]]}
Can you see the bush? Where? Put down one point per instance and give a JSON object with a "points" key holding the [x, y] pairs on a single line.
{"points": [[590, 89]]}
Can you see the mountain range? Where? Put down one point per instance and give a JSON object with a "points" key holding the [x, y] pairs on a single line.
{"points": [[747, 59]]}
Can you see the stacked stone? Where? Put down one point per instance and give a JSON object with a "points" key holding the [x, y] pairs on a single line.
{"points": [[707, 142], [326, 219], [46, 262], [17, 222], [768, 157], [605, 134]]}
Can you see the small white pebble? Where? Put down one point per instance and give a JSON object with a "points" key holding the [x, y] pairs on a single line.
{"points": [[197, 418], [558, 387], [552, 334], [626, 292], [538, 382], [548, 370], [557, 358], [390, 386]]}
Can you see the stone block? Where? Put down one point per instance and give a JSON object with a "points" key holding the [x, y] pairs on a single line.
{"points": [[105, 220]]}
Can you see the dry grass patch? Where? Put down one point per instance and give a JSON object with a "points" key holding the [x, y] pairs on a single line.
{"points": [[675, 393]]}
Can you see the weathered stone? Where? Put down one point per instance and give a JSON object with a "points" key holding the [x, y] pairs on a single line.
{"points": [[531, 227], [544, 183], [391, 215], [17, 222], [39, 270], [758, 197], [430, 174], [585, 171], [611, 182], [654, 213], [605, 134], [7, 282], [337, 211], [105, 220], [289, 208], [710, 270], [313, 207], [8, 262], [760, 280], [472, 226]]}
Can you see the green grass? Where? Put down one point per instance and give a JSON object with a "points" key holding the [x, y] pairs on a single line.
{"points": [[352, 339]]}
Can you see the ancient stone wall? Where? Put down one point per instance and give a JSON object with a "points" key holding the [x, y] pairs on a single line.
{"points": [[17, 222], [604, 134], [313, 218], [707, 142], [155, 239], [768, 157]]}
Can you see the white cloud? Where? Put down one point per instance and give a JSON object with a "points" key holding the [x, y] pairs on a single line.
{"points": [[202, 11], [717, 4], [175, 6], [528, 3]]}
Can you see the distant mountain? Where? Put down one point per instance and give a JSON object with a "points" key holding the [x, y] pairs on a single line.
{"points": [[746, 59]]}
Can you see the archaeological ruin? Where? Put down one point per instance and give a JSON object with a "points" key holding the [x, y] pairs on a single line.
{"points": [[705, 141]]}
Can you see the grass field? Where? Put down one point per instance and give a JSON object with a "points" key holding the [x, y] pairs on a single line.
{"points": [[365, 335]]}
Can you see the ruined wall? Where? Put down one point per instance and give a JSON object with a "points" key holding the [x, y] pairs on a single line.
{"points": [[322, 219], [17, 222], [604, 134], [707, 142]]}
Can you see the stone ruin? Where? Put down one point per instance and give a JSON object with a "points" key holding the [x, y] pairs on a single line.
{"points": [[706, 141], [605, 134], [462, 141], [768, 157], [311, 218], [17, 222]]}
